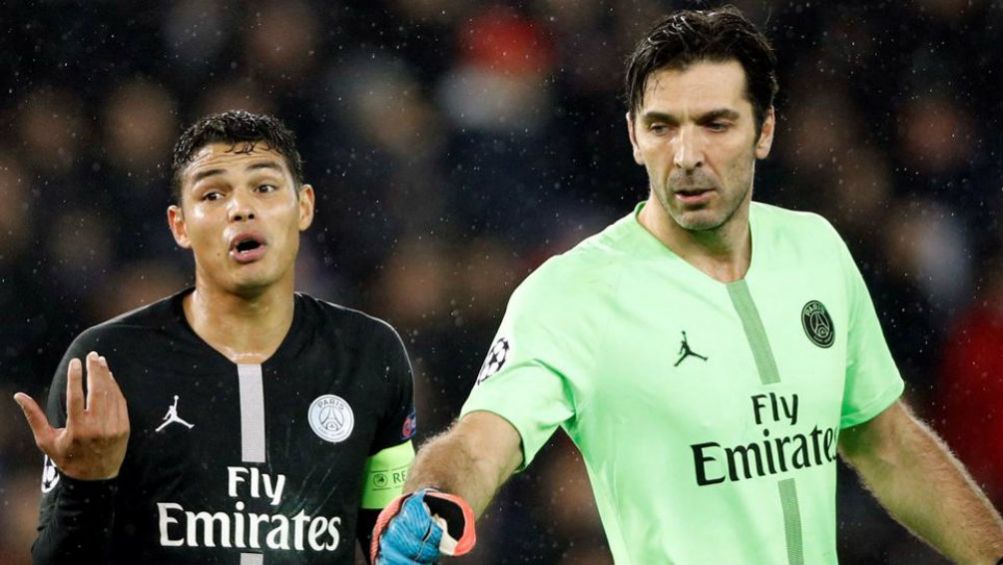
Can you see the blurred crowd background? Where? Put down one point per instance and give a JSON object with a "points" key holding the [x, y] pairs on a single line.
{"points": [[454, 145]]}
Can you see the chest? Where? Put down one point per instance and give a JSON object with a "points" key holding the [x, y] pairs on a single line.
{"points": [[759, 356], [288, 434]]}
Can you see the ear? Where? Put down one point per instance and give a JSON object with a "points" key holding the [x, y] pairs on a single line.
{"points": [[638, 158], [306, 203], [765, 141], [176, 221]]}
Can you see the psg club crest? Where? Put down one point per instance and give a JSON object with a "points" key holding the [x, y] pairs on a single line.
{"points": [[495, 360], [50, 476], [331, 418], [818, 324]]}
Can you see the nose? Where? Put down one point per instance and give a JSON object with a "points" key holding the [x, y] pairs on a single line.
{"points": [[241, 207], [688, 150]]}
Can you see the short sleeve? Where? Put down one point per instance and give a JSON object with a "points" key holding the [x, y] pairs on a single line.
{"points": [[873, 381], [527, 374], [399, 422]]}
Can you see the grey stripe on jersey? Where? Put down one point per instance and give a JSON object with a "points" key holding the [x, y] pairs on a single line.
{"points": [[755, 332], [766, 364], [252, 414], [252, 429]]}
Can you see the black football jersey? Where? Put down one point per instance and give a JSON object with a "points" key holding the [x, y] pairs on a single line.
{"points": [[226, 463]]}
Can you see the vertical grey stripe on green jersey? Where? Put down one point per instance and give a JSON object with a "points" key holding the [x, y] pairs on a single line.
{"points": [[792, 521], [741, 299], [252, 414], [252, 559], [766, 365]]}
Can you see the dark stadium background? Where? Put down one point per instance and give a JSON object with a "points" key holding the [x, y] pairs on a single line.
{"points": [[455, 144]]}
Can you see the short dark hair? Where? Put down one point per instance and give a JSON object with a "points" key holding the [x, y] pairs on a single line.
{"points": [[235, 127], [690, 36]]}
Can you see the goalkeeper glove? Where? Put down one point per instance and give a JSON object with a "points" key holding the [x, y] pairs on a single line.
{"points": [[419, 527]]}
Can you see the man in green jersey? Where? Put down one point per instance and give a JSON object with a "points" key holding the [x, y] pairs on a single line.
{"points": [[708, 355]]}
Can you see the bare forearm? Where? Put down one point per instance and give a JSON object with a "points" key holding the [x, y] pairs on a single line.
{"points": [[447, 464], [472, 460], [925, 488]]}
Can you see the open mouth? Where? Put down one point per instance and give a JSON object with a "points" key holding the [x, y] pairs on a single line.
{"points": [[247, 245], [247, 248]]}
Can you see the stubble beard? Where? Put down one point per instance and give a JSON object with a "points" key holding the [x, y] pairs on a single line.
{"points": [[706, 218]]}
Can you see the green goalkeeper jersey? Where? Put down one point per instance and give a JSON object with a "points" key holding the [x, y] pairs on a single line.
{"points": [[707, 413]]}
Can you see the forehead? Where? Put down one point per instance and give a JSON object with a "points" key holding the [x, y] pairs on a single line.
{"points": [[230, 158], [704, 85]]}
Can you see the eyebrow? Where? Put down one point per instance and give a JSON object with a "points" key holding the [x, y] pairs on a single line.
{"points": [[252, 167], [264, 165], [718, 113]]}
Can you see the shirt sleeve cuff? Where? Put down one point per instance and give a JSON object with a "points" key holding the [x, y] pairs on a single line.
{"points": [[88, 491]]}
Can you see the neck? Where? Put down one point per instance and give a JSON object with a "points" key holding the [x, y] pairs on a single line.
{"points": [[244, 328], [723, 253]]}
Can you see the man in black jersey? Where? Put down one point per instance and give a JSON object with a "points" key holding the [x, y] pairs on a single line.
{"points": [[245, 423]]}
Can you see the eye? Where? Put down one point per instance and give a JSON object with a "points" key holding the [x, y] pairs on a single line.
{"points": [[658, 129], [211, 196], [718, 126], [267, 187]]}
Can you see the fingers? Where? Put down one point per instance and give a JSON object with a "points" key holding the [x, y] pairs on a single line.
{"points": [[101, 385], [74, 391], [92, 446], [117, 399], [97, 383], [37, 421], [104, 397]]}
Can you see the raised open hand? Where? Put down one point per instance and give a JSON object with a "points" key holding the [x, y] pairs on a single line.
{"points": [[92, 445]]}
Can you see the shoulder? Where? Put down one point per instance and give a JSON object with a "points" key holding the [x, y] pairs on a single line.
{"points": [[350, 324], [592, 266], [373, 346], [131, 328], [806, 232], [792, 222], [805, 241]]}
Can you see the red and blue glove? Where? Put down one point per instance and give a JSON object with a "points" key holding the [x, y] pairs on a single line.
{"points": [[418, 528]]}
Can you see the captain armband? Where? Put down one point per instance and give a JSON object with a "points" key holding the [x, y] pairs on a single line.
{"points": [[385, 474]]}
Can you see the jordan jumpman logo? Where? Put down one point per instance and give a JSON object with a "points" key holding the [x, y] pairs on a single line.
{"points": [[685, 351], [172, 417]]}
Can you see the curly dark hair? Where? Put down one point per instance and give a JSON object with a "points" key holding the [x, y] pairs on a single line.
{"points": [[690, 36], [235, 127]]}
